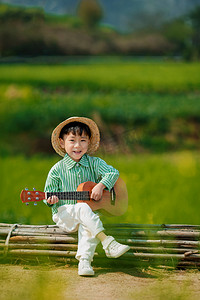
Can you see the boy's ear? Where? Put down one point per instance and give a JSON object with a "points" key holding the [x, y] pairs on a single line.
{"points": [[62, 143]]}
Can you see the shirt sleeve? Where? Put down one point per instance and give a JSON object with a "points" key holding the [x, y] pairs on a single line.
{"points": [[52, 184], [107, 174]]}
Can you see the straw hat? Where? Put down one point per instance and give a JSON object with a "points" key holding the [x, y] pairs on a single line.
{"points": [[94, 140]]}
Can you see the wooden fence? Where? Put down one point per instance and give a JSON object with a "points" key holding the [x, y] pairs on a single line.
{"points": [[166, 244]]}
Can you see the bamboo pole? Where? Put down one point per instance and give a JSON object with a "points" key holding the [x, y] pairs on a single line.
{"points": [[33, 232], [119, 232], [164, 250], [44, 239], [154, 233], [187, 264], [115, 225], [128, 255], [28, 226], [38, 229], [74, 246], [42, 252], [132, 242], [62, 247], [164, 256], [172, 243]]}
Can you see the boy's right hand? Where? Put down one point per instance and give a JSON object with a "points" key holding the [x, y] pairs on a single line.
{"points": [[52, 200]]}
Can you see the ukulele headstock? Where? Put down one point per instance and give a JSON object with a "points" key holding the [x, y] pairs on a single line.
{"points": [[31, 196]]}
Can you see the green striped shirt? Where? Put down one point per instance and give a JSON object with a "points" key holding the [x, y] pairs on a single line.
{"points": [[66, 175]]}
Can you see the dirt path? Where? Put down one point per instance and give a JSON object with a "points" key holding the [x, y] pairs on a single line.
{"points": [[56, 283]]}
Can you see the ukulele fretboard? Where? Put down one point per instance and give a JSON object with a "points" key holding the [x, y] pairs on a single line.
{"points": [[83, 195]]}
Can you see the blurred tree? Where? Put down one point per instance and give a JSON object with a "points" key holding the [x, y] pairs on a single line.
{"points": [[90, 12], [194, 19], [12, 13], [179, 32]]}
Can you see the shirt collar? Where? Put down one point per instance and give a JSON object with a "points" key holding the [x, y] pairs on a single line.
{"points": [[71, 163], [84, 161]]}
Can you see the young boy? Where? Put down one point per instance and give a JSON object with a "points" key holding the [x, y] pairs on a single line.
{"points": [[74, 139]]}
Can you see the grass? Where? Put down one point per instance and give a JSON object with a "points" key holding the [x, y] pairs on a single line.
{"points": [[157, 122], [162, 188], [22, 104], [130, 76], [145, 97], [35, 283], [112, 106]]}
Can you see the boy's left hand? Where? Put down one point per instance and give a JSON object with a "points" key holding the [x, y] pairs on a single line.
{"points": [[97, 191]]}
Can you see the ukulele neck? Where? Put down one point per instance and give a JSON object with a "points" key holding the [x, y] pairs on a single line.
{"points": [[84, 195]]}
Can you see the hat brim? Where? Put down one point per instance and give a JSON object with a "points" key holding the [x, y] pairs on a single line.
{"points": [[94, 140]]}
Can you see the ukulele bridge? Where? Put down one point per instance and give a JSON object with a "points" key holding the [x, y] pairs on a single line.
{"points": [[112, 196]]}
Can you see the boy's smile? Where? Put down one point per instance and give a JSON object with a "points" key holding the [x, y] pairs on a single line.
{"points": [[75, 145]]}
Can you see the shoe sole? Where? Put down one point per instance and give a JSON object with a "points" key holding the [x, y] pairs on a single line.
{"points": [[86, 273]]}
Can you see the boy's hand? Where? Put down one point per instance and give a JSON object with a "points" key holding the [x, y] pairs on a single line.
{"points": [[52, 200], [97, 191]]}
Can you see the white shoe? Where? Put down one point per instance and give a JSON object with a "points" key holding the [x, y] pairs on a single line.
{"points": [[84, 268], [112, 248]]}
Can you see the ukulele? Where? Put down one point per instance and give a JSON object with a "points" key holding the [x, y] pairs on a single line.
{"points": [[112, 203]]}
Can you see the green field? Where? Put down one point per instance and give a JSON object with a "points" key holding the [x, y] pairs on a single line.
{"points": [[157, 104], [162, 188], [129, 76]]}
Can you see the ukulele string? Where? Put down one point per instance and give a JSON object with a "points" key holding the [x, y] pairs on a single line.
{"points": [[77, 195]]}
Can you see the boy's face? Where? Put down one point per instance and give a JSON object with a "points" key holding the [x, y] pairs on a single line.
{"points": [[75, 145]]}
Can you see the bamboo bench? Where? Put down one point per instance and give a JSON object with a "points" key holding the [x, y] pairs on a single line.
{"points": [[167, 244]]}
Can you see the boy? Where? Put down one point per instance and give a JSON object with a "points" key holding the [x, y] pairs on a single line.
{"points": [[75, 139]]}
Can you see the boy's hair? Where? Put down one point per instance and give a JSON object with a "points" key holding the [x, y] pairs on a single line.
{"points": [[77, 128]]}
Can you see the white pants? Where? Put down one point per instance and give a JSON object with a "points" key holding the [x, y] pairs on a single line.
{"points": [[80, 217]]}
